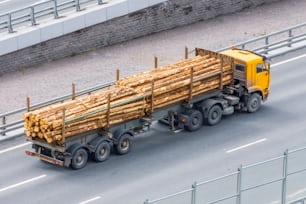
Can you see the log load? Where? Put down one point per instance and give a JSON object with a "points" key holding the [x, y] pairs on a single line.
{"points": [[102, 109], [131, 97]]}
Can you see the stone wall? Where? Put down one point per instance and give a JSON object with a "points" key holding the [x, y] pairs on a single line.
{"points": [[163, 16]]}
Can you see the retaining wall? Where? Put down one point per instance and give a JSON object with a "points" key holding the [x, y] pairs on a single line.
{"points": [[132, 24]]}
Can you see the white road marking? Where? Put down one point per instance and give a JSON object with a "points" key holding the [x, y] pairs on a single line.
{"points": [[90, 200], [293, 196], [41, 1], [288, 60], [4, 1], [246, 145], [297, 193], [14, 147], [22, 183]]}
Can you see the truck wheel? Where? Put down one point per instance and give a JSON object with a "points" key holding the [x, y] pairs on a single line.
{"points": [[102, 152], [196, 120], [214, 115], [79, 159], [253, 103], [124, 144]]}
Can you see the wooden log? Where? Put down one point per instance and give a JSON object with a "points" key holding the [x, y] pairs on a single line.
{"points": [[132, 97], [159, 73], [116, 112], [140, 80]]}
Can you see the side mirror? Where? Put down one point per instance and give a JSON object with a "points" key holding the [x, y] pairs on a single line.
{"points": [[267, 66]]}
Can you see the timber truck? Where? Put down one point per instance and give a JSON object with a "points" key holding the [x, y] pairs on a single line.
{"points": [[199, 98]]}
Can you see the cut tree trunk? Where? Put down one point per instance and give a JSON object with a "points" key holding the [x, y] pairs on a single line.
{"points": [[130, 98]]}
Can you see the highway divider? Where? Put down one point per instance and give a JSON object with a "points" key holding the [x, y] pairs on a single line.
{"points": [[32, 14], [47, 20], [277, 43]]}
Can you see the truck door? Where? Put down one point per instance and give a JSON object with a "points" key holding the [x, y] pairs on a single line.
{"points": [[263, 78]]}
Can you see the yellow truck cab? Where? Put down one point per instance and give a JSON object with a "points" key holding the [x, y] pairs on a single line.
{"points": [[253, 73]]}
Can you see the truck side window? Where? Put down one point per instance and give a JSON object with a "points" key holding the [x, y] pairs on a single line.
{"points": [[240, 67], [260, 68]]}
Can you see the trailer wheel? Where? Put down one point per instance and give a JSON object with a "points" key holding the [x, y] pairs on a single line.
{"points": [[124, 144], [253, 103], [102, 152], [196, 120], [214, 115], [79, 159]]}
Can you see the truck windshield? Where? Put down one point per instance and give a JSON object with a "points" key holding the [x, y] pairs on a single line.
{"points": [[262, 67]]}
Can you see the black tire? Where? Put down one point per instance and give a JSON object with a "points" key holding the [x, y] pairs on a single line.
{"points": [[79, 159], [102, 152], [214, 115], [196, 120], [124, 144], [253, 103]]}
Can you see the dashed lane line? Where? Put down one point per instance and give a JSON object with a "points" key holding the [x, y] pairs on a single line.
{"points": [[4, 1], [288, 60], [90, 200], [14, 147], [22, 183], [246, 145]]}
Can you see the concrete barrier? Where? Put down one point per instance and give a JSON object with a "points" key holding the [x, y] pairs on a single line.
{"points": [[104, 25], [29, 36]]}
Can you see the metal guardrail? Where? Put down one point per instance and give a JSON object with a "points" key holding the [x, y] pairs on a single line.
{"points": [[300, 201], [32, 14], [236, 188], [282, 41]]}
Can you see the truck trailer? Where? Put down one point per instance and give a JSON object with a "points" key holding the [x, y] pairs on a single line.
{"points": [[184, 95]]}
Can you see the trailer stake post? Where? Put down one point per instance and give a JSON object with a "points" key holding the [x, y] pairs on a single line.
{"points": [[63, 124], [108, 109], [152, 96], [155, 62], [221, 72], [186, 52], [117, 75], [73, 91], [190, 86], [28, 104]]}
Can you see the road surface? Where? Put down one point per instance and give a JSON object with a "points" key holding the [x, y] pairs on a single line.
{"points": [[162, 162]]}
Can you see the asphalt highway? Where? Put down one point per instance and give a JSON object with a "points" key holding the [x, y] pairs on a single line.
{"points": [[162, 162]]}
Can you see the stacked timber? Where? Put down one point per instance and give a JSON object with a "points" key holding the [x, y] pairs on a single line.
{"points": [[132, 97], [180, 81], [107, 107]]}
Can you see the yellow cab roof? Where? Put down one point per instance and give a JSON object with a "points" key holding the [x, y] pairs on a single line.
{"points": [[242, 55]]}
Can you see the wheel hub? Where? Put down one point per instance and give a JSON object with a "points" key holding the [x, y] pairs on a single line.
{"points": [[125, 144], [214, 115], [195, 121], [102, 151], [79, 158], [254, 104]]}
